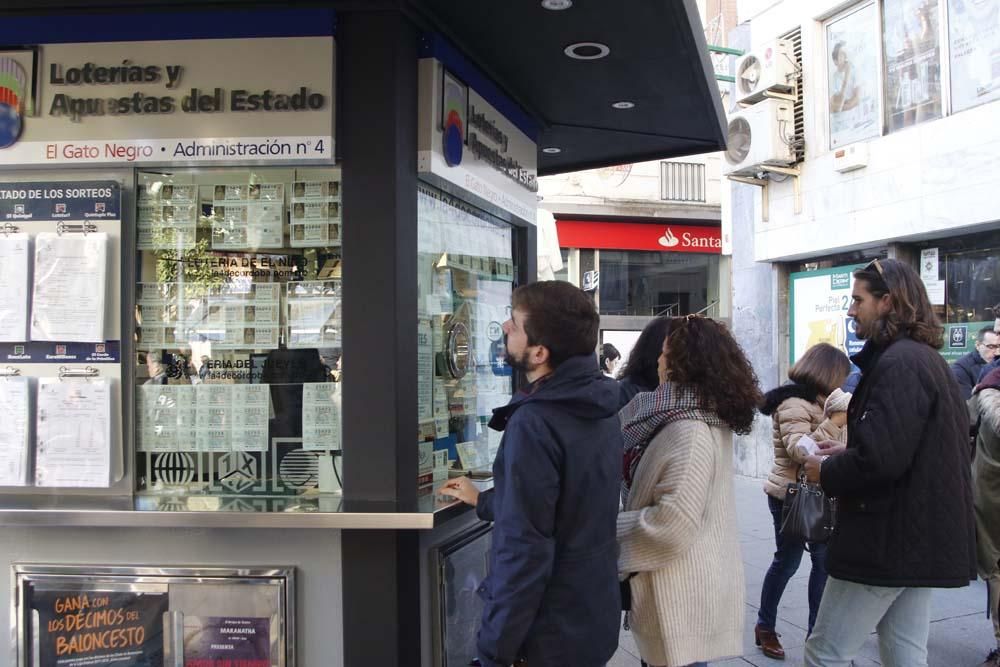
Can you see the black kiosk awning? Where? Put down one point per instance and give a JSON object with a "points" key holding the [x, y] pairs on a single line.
{"points": [[656, 60]]}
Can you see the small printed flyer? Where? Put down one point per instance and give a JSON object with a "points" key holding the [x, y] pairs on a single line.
{"points": [[224, 641]]}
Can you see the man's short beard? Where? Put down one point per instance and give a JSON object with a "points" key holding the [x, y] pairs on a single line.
{"points": [[519, 363]]}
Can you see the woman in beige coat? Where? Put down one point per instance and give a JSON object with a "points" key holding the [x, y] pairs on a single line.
{"points": [[677, 532], [810, 405]]}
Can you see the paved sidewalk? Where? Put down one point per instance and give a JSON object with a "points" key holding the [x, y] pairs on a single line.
{"points": [[961, 635]]}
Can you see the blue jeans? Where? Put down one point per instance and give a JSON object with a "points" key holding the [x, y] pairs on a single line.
{"points": [[850, 612], [786, 561]]}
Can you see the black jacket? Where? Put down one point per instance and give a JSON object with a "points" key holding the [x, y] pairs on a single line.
{"points": [[552, 595], [904, 513], [966, 370], [628, 389]]}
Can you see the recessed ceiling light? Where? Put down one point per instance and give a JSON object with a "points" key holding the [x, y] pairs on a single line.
{"points": [[624, 104], [552, 150], [557, 5], [587, 50]]}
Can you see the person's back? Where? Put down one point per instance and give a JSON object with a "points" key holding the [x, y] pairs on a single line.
{"points": [[901, 519], [985, 403], [564, 442], [904, 501], [552, 595]]}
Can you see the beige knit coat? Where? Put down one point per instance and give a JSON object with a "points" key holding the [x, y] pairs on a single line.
{"points": [[794, 418], [678, 533]]}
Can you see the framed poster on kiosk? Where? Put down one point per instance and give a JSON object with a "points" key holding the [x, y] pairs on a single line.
{"points": [[77, 616]]}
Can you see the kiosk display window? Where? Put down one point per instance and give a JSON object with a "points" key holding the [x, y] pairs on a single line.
{"points": [[466, 276], [238, 332]]}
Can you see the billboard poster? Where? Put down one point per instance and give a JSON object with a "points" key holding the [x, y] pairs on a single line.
{"points": [[912, 52], [819, 304], [852, 66], [84, 626], [974, 41]]}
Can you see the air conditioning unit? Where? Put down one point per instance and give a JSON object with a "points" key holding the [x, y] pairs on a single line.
{"points": [[759, 135], [771, 67]]}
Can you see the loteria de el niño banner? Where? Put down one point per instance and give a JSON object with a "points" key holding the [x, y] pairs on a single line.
{"points": [[259, 100]]}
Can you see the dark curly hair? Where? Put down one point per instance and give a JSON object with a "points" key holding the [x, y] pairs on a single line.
{"points": [[701, 353], [911, 313], [641, 365]]}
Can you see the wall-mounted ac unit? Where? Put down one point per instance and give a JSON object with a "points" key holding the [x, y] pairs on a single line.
{"points": [[771, 67], [759, 135]]}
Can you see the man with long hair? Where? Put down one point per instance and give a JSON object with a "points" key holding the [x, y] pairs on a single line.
{"points": [[903, 485], [552, 595]]}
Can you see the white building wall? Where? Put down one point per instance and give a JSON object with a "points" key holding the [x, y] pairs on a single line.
{"points": [[630, 190], [933, 179]]}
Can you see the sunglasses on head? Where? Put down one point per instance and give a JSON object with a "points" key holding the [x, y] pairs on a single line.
{"points": [[875, 264]]}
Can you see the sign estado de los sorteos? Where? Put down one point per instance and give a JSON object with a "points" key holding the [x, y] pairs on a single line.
{"points": [[259, 100]]}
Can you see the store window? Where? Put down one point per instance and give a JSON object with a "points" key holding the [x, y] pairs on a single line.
{"points": [[967, 270], [237, 332], [465, 278], [657, 283]]}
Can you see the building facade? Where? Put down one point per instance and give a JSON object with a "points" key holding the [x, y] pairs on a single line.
{"points": [[897, 133]]}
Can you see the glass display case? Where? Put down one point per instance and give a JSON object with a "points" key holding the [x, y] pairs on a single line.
{"points": [[466, 273], [238, 333]]}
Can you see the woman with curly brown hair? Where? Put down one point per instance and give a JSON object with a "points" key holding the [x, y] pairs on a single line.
{"points": [[677, 533]]}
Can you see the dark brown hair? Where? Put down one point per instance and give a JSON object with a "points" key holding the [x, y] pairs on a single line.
{"points": [[559, 316], [822, 367], [642, 360], [910, 313], [701, 353]]}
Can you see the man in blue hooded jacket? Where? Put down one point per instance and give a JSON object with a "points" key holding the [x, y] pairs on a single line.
{"points": [[552, 595]]}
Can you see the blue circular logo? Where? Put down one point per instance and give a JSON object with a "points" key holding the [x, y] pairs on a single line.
{"points": [[453, 139], [10, 125]]}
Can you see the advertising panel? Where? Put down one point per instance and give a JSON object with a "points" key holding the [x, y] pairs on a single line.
{"points": [[83, 616], [974, 48], [852, 64], [912, 53], [467, 142], [80, 626], [819, 304]]}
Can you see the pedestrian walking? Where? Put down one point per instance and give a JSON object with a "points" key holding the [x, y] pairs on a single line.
{"points": [[985, 403], [678, 531], [811, 404], [552, 594], [640, 371], [903, 485]]}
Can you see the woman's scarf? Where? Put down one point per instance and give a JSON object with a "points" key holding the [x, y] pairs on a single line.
{"points": [[650, 411]]}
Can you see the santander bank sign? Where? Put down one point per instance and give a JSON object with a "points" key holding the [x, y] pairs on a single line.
{"points": [[654, 236]]}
